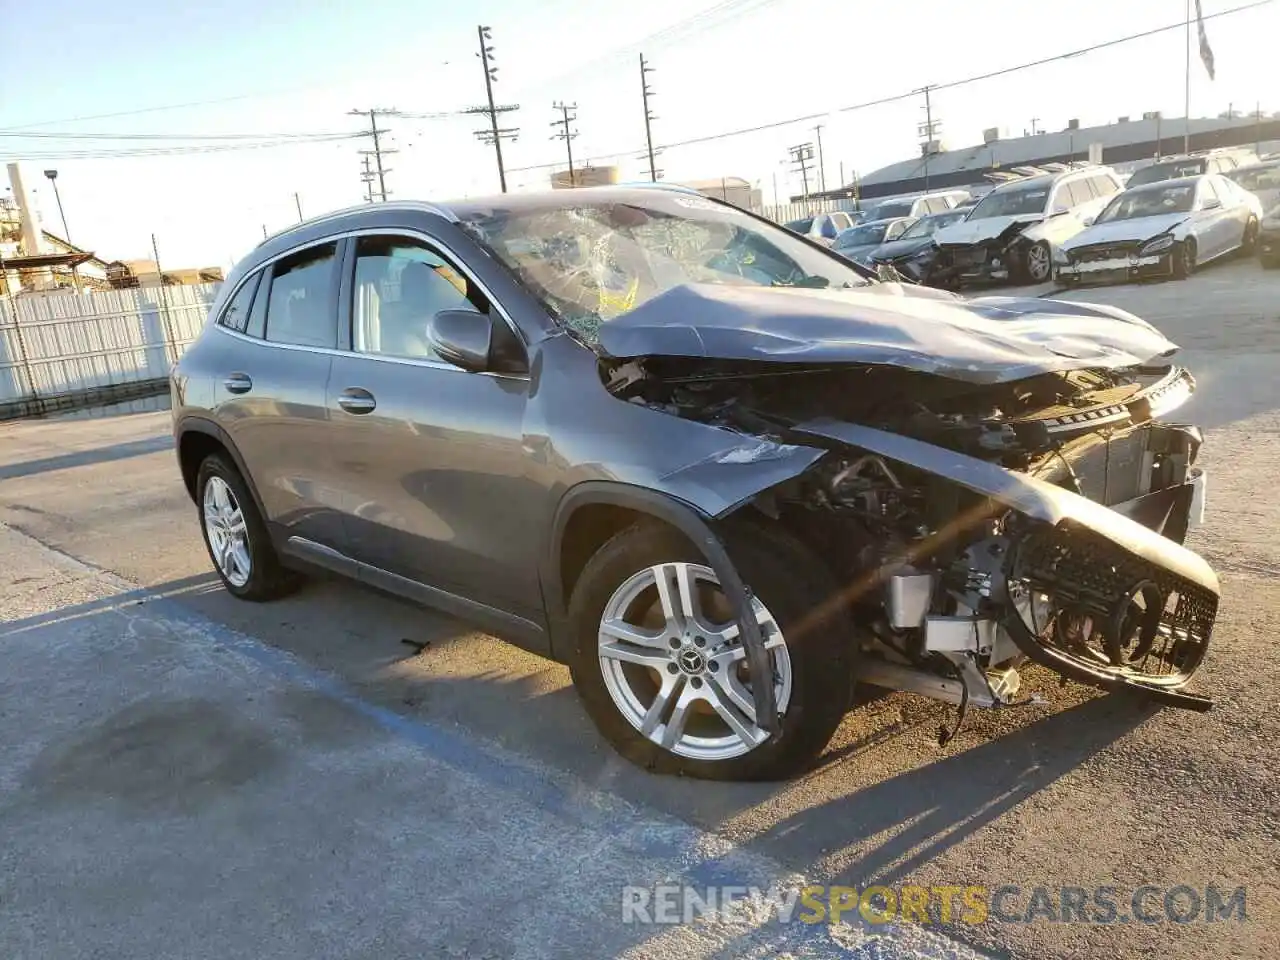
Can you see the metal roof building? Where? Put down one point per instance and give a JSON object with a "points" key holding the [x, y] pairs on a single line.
{"points": [[1122, 142]]}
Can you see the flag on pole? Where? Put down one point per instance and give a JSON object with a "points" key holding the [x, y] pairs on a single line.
{"points": [[1206, 54]]}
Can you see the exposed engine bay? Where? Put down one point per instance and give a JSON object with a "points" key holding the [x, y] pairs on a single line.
{"points": [[954, 512]]}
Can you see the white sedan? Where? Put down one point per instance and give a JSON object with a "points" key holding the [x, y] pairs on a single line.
{"points": [[1162, 229]]}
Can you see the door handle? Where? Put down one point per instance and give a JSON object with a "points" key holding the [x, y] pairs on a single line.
{"points": [[238, 383], [356, 400]]}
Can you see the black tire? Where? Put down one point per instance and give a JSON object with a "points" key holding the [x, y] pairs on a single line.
{"points": [[267, 579], [1184, 259], [1038, 249], [791, 583], [1249, 242]]}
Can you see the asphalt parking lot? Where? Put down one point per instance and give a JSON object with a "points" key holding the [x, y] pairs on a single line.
{"points": [[187, 775]]}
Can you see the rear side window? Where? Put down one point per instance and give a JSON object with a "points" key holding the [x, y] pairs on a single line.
{"points": [[301, 308], [1104, 186], [236, 315]]}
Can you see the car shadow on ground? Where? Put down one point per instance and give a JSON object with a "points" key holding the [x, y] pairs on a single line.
{"points": [[883, 831], [898, 825]]}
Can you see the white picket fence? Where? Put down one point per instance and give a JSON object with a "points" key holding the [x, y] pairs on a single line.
{"points": [[59, 346]]}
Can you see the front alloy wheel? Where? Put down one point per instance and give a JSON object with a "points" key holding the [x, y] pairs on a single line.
{"points": [[660, 667], [675, 667], [225, 527], [1039, 262]]}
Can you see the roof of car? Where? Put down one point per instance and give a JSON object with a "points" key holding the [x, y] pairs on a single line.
{"points": [[1028, 183], [460, 209], [1155, 185]]}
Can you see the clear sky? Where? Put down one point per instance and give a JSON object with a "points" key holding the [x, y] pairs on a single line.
{"points": [[285, 66]]}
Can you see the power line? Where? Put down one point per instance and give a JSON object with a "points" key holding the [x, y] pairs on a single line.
{"points": [[165, 151], [44, 135], [894, 98], [691, 26]]}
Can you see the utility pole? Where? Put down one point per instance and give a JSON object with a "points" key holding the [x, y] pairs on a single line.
{"points": [[928, 130], [1186, 89], [495, 134], [378, 151], [297, 202], [646, 93], [565, 133], [366, 177], [801, 155], [822, 165]]}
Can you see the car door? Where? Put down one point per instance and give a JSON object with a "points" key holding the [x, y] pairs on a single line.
{"points": [[431, 458], [1236, 210], [1220, 220], [270, 390]]}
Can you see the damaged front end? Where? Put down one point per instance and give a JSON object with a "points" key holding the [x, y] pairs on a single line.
{"points": [[977, 526], [996, 259]]}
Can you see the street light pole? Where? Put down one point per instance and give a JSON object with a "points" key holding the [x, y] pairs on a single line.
{"points": [[66, 234]]}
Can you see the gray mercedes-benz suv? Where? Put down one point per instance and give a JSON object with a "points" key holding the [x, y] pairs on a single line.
{"points": [[702, 460]]}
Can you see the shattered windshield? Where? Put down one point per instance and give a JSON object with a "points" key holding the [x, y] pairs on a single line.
{"points": [[589, 260], [1175, 197], [1018, 201]]}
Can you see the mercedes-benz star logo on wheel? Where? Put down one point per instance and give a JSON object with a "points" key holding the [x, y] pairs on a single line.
{"points": [[691, 661]]}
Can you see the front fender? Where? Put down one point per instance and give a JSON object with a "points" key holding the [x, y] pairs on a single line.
{"points": [[685, 518]]}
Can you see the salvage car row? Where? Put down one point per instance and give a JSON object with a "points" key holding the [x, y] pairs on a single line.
{"points": [[1076, 223]]}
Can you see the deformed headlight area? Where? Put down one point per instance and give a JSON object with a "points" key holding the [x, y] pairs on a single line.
{"points": [[1089, 608], [1158, 245]]}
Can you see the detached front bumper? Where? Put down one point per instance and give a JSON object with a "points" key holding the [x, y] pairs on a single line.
{"points": [[1117, 269]]}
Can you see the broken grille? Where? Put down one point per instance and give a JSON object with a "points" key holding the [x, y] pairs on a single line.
{"points": [[1109, 610], [1102, 251]]}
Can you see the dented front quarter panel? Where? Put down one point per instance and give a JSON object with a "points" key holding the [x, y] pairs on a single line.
{"points": [[707, 467]]}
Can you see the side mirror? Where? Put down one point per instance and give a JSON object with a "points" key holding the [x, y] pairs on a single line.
{"points": [[1088, 221], [1211, 203], [463, 338]]}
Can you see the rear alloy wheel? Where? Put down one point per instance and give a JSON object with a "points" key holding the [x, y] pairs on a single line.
{"points": [[235, 535], [661, 669], [1039, 262], [1184, 259]]}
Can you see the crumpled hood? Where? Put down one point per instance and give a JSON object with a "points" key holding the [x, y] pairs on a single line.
{"points": [[1119, 231], [976, 231], [984, 340]]}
